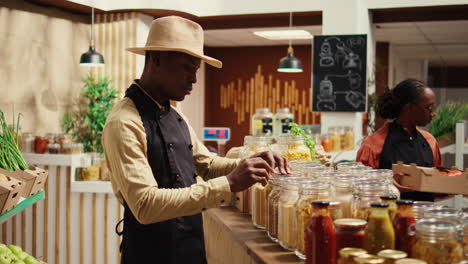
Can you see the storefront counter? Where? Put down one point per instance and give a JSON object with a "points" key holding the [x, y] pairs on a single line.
{"points": [[231, 238]]}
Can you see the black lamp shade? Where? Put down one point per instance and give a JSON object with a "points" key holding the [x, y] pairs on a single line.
{"points": [[290, 64], [91, 58]]}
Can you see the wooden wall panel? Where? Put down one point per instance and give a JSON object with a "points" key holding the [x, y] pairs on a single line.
{"points": [[249, 80]]}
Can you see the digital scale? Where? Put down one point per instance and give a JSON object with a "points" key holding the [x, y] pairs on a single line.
{"points": [[219, 134]]}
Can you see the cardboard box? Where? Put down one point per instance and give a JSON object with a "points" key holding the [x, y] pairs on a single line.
{"points": [[10, 192], [430, 180], [34, 179]]}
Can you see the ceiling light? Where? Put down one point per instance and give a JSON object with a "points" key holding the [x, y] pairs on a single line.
{"points": [[284, 34], [290, 63], [92, 57]]}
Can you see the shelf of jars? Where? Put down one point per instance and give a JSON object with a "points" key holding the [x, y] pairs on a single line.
{"points": [[319, 211]]}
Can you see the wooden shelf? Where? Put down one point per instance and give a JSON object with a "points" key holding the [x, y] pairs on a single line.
{"points": [[22, 205]]}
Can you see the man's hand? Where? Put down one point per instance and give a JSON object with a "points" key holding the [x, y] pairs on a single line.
{"points": [[249, 171], [275, 161], [396, 181]]}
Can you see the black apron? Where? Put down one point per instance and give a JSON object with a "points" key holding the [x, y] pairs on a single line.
{"points": [[178, 240], [400, 146]]}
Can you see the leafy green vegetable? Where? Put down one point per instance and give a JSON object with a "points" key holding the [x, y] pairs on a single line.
{"points": [[447, 115], [11, 158], [309, 141]]}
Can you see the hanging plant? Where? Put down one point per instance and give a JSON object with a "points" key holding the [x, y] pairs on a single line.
{"points": [[86, 122]]}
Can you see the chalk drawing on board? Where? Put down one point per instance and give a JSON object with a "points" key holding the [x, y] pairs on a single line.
{"points": [[326, 97], [355, 99], [326, 55]]}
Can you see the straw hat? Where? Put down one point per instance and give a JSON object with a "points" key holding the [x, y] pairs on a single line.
{"points": [[173, 33]]}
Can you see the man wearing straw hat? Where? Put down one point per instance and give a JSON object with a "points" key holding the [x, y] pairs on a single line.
{"points": [[154, 157]]}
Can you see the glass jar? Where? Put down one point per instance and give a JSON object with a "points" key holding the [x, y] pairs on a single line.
{"points": [[307, 194], [436, 242], [347, 138], [283, 120], [369, 259], [386, 176], [27, 145], [359, 171], [252, 146], [53, 148], [77, 148], [380, 234], [272, 208], [320, 236], [419, 207], [326, 143], [391, 255], [345, 166], [365, 194], [335, 210], [392, 206], [335, 138], [343, 192], [50, 138], [289, 195], [410, 261], [297, 166], [294, 148], [404, 219], [347, 255], [349, 233], [315, 171], [40, 144], [259, 201], [262, 122], [64, 139]]}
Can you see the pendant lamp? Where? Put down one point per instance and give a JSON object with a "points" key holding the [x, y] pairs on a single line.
{"points": [[290, 63], [92, 57]]}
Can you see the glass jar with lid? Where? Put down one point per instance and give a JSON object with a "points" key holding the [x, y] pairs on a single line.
{"points": [[334, 133], [53, 148], [262, 122], [297, 166], [27, 145], [289, 195], [294, 148], [40, 144], [436, 242], [326, 143], [343, 187], [350, 233], [272, 206], [315, 171], [63, 139], [347, 255], [252, 145], [391, 255], [386, 176], [308, 193], [345, 166], [410, 261], [347, 138], [283, 120], [448, 214], [359, 171], [392, 206], [369, 259], [419, 207], [364, 194], [379, 233]]}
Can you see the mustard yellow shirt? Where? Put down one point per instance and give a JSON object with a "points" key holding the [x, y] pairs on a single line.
{"points": [[124, 142]]}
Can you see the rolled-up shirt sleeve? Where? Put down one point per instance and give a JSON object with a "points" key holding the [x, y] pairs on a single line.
{"points": [[124, 143]]}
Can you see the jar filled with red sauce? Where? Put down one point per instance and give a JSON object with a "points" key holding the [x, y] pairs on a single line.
{"points": [[349, 233], [320, 235], [40, 145], [404, 218]]}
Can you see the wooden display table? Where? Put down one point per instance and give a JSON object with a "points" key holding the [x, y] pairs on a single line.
{"points": [[231, 238]]}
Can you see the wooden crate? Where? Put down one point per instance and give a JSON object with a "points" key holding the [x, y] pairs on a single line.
{"points": [[34, 179], [430, 180], [10, 192]]}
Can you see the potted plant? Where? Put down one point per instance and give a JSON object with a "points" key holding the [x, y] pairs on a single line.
{"points": [[443, 124], [86, 121]]}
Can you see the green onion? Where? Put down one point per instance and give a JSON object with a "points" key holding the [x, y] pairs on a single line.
{"points": [[11, 158]]}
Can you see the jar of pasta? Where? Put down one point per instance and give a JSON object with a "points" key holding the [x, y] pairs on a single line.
{"points": [[436, 242], [335, 138], [343, 186], [308, 192], [289, 195], [364, 194], [294, 148], [272, 206]]}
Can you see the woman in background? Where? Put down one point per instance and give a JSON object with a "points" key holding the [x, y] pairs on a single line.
{"points": [[409, 105]]}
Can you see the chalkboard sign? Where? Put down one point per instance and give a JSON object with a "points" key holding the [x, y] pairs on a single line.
{"points": [[339, 75]]}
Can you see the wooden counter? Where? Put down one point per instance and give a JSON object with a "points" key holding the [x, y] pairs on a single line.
{"points": [[230, 237]]}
